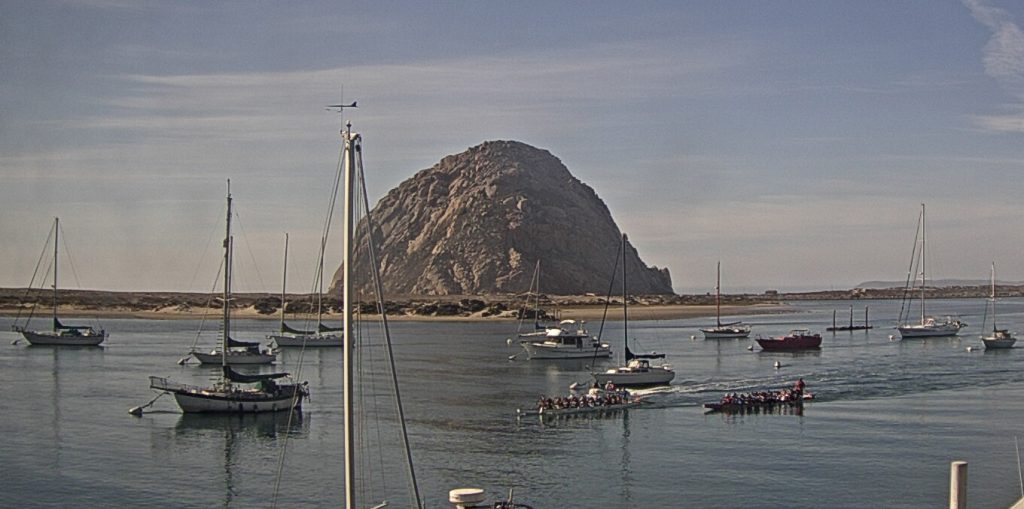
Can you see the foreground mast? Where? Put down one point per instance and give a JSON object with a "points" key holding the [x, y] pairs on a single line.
{"points": [[350, 141]]}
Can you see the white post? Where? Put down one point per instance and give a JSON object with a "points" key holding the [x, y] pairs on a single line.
{"points": [[958, 485]]}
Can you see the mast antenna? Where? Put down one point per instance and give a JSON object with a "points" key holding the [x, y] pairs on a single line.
{"points": [[340, 108]]}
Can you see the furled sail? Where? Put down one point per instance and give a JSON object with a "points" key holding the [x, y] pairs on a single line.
{"points": [[630, 355], [232, 342], [235, 376], [285, 328], [59, 326], [324, 328]]}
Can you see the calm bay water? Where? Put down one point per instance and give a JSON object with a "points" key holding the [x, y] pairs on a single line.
{"points": [[889, 418]]}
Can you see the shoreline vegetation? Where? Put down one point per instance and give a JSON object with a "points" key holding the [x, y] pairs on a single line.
{"points": [[182, 305]]}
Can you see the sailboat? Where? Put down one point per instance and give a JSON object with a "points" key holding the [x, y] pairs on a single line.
{"points": [[1000, 338], [929, 326], [232, 351], [226, 396], [531, 307], [638, 371], [60, 334], [323, 335], [734, 330]]}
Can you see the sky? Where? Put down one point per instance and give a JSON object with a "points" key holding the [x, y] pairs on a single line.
{"points": [[792, 141]]}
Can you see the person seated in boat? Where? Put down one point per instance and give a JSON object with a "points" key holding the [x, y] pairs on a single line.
{"points": [[609, 386]]}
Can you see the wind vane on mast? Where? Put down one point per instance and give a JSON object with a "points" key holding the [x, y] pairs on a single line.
{"points": [[341, 109]]}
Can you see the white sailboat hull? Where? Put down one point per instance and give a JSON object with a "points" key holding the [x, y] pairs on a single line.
{"points": [[231, 399], [52, 339], [930, 330], [235, 358], [655, 376], [314, 340], [547, 350], [726, 333], [224, 403]]}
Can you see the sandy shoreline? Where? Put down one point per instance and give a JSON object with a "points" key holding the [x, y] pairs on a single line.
{"points": [[584, 312]]}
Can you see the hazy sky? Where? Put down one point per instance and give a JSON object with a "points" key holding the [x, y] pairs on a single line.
{"points": [[793, 141]]}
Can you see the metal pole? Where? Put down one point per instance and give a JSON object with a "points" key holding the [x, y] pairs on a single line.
{"points": [[284, 280], [227, 288], [347, 288], [56, 233]]}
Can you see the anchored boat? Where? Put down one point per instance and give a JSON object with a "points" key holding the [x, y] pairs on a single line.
{"points": [[260, 392], [734, 330], [929, 326], [638, 371], [60, 334]]}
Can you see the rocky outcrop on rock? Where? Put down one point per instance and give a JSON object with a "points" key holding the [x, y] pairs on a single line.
{"points": [[477, 223]]}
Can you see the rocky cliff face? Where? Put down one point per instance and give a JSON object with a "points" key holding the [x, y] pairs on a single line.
{"points": [[477, 222]]}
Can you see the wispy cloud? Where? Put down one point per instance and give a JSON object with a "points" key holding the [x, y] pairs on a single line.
{"points": [[1004, 53], [1004, 61]]}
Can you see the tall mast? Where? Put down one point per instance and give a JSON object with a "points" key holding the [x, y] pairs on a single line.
{"points": [[718, 294], [924, 278], [284, 280], [993, 297], [320, 284], [56, 233], [347, 288], [227, 286], [625, 317]]}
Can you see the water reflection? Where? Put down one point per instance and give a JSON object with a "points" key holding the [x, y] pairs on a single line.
{"points": [[239, 432]]}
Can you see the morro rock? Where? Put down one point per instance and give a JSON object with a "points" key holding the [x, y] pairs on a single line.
{"points": [[477, 223]]}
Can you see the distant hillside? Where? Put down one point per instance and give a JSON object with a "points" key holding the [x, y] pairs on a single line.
{"points": [[938, 283], [477, 223]]}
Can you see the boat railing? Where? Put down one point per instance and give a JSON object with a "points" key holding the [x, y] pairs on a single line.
{"points": [[164, 384]]}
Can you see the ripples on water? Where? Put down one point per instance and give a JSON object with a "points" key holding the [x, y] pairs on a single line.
{"points": [[888, 418]]}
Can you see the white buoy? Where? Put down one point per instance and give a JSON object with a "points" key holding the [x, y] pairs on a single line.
{"points": [[891, 337], [508, 341], [693, 336], [463, 498], [750, 348], [970, 349], [512, 357], [778, 364]]}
